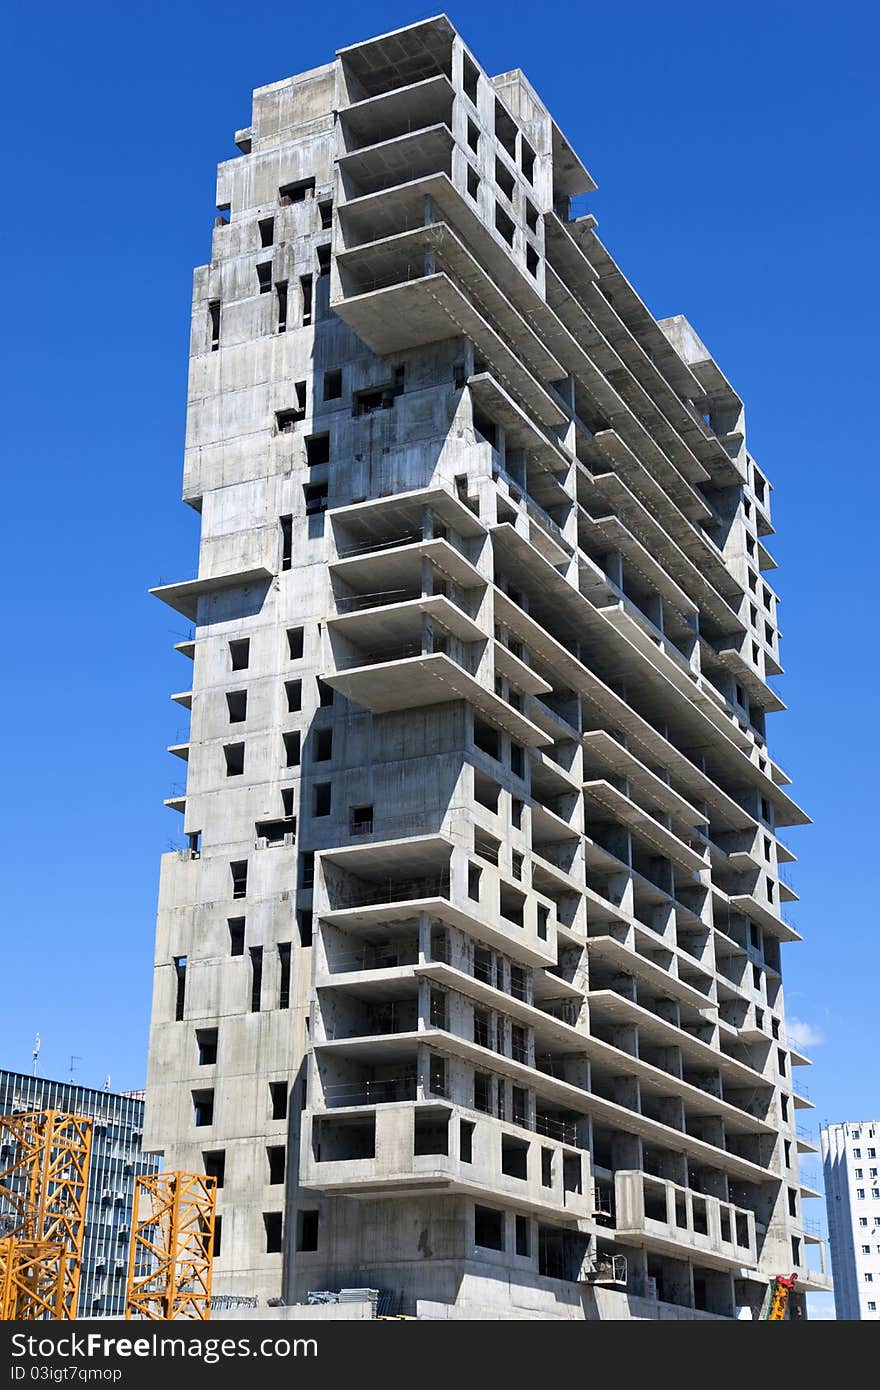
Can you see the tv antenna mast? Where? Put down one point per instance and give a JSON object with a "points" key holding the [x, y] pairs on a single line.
{"points": [[35, 1054]]}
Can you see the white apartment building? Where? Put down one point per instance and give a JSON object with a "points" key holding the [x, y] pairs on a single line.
{"points": [[852, 1194]]}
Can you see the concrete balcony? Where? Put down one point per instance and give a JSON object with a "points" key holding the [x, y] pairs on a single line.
{"points": [[372, 620], [390, 882], [608, 1004], [412, 679], [609, 489], [432, 1146], [400, 568], [618, 955], [763, 913], [607, 534], [388, 163], [432, 308], [402, 257], [390, 115], [603, 751], [397, 1035], [643, 739], [184, 597], [544, 452], [677, 1221], [669, 663], [558, 607], [519, 674], [659, 838], [386, 522], [567, 253]]}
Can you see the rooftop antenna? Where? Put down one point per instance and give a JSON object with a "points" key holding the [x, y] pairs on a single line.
{"points": [[73, 1062], [35, 1054], [107, 1080]]}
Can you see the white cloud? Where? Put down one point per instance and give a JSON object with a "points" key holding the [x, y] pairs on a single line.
{"points": [[803, 1034], [820, 1308]]}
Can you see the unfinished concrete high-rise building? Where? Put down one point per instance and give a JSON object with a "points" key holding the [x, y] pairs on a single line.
{"points": [[468, 987]]}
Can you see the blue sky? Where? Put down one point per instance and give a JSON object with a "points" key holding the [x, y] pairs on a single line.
{"points": [[735, 155]]}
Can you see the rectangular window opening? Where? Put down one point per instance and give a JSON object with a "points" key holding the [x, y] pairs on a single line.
{"points": [[307, 1223], [523, 1235], [315, 495], [292, 748], [286, 525], [466, 1141], [360, 820], [276, 1155], [295, 192], [318, 449], [234, 756], [504, 225], [305, 289], [236, 705], [281, 297], [307, 869], [504, 179], [470, 78], [206, 1043], [238, 870], [256, 954], [304, 926], [180, 990], [239, 653], [273, 1223], [203, 1108], [214, 1161], [284, 975], [489, 1228], [278, 1099]]}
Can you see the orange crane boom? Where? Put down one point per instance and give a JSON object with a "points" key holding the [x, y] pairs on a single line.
{"points": [[43, 1212], [172, 1246]]}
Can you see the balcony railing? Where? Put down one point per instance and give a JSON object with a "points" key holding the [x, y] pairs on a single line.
{"points": [[566, 1010], [374, 958], [399, 652], [564, 1130], [388, 543], [399, 891], [385, 1092], [380, 1021], [353, 603]]}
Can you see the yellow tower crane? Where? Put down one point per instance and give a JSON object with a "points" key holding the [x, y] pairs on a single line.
{"points": [[42, 1212], [172, 1246]]}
